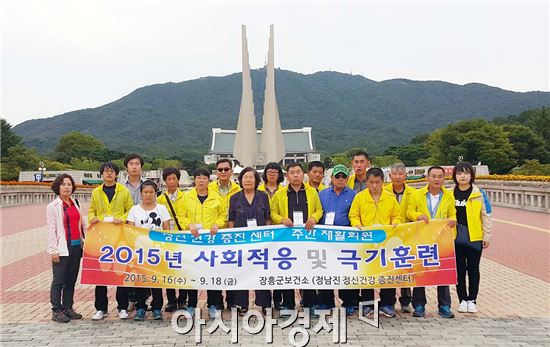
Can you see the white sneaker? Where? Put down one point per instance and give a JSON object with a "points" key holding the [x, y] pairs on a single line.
{"points": [[472, 306], [463, 307], [123, 314], [99, 315]]}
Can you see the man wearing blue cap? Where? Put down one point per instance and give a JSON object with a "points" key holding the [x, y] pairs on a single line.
{"points": [[336, 201]]}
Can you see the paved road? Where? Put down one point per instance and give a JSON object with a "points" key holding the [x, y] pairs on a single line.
{"points": [[514, 300]]}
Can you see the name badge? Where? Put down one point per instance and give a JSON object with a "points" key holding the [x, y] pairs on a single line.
{"points": [[108, 219], [251, 222], [199, 226], [298, 218], [329, 218]]}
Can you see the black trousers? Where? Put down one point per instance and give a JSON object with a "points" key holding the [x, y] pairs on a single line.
{"points": [[186, 297], [313, 297], [65, 274], [214, 298], [287, 298], [443, 296], [230, 298], [349, 297], [467, 261], [102, 302], [406, 296], [263, 298], [387, 296], [171, 296], [236, 298], [143, 293], [277, 298]]}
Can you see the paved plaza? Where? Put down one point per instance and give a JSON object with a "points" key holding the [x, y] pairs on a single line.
{"points": [[513, 304]]}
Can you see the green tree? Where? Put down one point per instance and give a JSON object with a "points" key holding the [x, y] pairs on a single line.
{"points": [[85, 164], [526, 143], [475, 141], [51, 165], [537, 120], [19, 158], [8, 138], [160, 163], [77, 145], [532, 167], [410, 154], [385, 160]]}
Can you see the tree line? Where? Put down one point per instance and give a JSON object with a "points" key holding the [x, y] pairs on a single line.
{"points": [[74, 151], [518, 144]]}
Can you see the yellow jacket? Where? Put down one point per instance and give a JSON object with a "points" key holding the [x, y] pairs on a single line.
{"points": [[405, 200], [321, 186], [262, 188], [279, 204], [161, 199], [419, 206], [119, 206], [351, 181], [212, 211], [365, 211], [214, 186], [479, 221]]}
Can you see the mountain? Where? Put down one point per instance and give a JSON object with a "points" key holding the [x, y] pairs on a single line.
{"points": [[175, 119]]}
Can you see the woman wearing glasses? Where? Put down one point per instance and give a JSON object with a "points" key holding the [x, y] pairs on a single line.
{"points": [[272, 177]]}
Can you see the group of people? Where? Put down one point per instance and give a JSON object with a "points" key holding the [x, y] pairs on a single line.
{"points": [[357, 198]]}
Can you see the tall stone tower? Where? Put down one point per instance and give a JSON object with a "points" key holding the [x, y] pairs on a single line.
{"points": [[245, 149], [271, 146]]}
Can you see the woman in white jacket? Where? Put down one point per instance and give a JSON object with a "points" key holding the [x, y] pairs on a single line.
{"points": [[66, 230]]}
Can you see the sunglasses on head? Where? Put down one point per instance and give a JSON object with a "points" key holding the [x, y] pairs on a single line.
{"points": [[223, 169]]}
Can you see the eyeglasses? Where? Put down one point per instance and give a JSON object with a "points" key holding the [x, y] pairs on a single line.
{"points": [[274, 172], [224, 169]]}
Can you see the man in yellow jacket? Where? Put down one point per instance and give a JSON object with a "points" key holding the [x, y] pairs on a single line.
{"points": [[315, 175], [226, 188], [403, 194], [204, 209], [172, 198], [360, 164], [433, 202], [296, 204], [111, 202], [224, 185], [375, 206]]}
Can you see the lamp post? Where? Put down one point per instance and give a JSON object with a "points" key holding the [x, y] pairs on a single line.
{"points": [[42, 169]]}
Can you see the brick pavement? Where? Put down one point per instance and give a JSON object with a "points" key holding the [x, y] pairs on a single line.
{"points": [[514, 300]]}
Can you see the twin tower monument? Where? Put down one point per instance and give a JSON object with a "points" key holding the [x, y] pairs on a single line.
{"points": [[270, 147]]}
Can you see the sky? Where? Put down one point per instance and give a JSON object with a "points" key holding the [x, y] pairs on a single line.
{"points": [[61, 56]]}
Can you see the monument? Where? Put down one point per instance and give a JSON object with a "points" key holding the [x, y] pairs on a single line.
{"points": [[252, 147]]}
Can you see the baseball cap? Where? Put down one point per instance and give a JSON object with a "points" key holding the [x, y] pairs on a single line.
{"points": [[340, 169]]}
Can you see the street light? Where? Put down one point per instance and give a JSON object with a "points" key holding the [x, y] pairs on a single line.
{"points": [[42, 169]]}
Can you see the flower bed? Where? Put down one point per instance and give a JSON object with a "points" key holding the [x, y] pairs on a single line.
{"points": [[44, 184], [498, 178]]}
